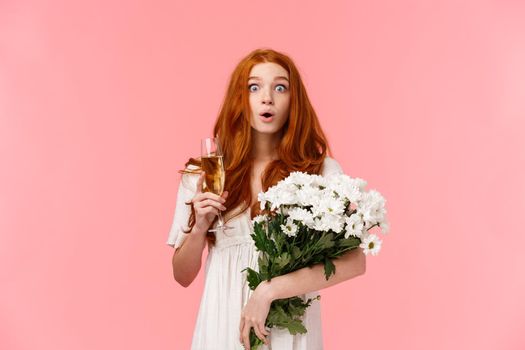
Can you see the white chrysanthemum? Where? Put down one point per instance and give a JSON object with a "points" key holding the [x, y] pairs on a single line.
{"points": [[302, 215], [281, 194], [289, 228], [335, 182], [372, 207], [287, 198], [354, 226], [321, 203], [264, 198], [355, 189], [287, 187], [268, 197], [370, 244], [346, 187], [385, 227], [299, 179], [319, 181], [328, 205], [335, 223], [319, 225], [308, 196], [261, 197], [284, 209], [260, 219], [328, 222], [358, 182]]}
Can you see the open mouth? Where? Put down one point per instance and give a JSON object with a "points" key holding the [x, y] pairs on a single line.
{"points": [[267, 115]]}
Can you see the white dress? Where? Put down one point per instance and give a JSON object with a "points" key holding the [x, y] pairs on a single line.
{"points": [[226, 290]]}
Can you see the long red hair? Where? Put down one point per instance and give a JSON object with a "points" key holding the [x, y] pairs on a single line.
{"points": [[303, 145]]}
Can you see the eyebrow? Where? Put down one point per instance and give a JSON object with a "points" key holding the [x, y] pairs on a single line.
{"points": [[276, 78]]}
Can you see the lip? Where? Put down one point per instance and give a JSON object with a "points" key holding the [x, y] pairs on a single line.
{"points": [[266, 120]]}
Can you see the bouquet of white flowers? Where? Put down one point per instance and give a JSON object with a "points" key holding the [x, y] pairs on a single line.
{"points": [[309, 219]]}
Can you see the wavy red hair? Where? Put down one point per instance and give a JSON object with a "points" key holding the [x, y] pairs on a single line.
{"points": [[303, 145]]}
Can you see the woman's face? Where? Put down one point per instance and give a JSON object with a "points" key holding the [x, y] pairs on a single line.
{"points": [[269, 93]]}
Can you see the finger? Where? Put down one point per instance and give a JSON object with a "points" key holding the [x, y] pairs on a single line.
{"points": [[245, 342], [209, 210], [210, 202], [263, 330], [208, 195], [200, 181], [215, 197], [259, 334], [201, 198], [224, 194], [246, 336], [241, 325]]}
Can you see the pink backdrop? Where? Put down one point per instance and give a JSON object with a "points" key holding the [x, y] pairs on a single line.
{"points": [[102, 102]]}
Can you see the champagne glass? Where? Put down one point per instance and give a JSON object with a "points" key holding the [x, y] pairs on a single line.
{"points": [[212, 164]]}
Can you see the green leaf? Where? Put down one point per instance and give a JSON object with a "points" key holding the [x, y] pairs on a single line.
{"points": [[253, 278], [296, 310], [263, 262], [296, 252], [326, 241], [296, 326], [329, 268], [349, 242], [276, 315], [280, 318], [258, 238], [282, 260]]}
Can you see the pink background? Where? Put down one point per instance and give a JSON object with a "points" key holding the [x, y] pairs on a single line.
{"points": [[102, 102]]}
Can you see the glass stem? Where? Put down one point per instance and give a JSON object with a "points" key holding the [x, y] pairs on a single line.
{"points": [[221, 221]]}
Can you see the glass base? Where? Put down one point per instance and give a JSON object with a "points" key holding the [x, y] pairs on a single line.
{"points": [[220, 228]]}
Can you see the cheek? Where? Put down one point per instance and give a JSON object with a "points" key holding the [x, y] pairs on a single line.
{"points": [[286, 112], [252, 106], [285, 103]]}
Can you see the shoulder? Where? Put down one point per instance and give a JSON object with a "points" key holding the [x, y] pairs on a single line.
{"points": [[331, 166]]}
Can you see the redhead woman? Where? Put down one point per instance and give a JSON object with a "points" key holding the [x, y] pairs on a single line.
{"points": [[267, 128]]}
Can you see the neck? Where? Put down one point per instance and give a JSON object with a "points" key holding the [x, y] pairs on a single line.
{"points": [[265, 146]]}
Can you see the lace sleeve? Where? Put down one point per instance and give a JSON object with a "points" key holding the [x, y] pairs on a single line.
{"points": [[186, 191]]}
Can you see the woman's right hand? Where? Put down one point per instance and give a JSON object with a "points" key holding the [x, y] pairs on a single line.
{"points": [[206, 206]]}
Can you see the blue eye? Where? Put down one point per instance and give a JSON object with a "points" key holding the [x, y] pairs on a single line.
{"points": [[284, 87], [281, 87]]}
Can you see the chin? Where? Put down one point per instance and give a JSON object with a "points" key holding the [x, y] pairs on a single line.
{"points": [[265, 129]]}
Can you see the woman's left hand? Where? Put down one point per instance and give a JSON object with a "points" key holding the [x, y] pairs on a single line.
{"points": [[254, 315]]}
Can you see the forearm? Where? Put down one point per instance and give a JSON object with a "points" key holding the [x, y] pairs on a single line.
{"points": [[310, 279], [187, 258]]}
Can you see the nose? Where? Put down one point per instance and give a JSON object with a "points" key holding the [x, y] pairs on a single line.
{"points": [[267, 97]]}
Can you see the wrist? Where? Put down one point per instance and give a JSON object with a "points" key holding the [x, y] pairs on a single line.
{"points": [[199, 231], [266, 291], [197, 236]]}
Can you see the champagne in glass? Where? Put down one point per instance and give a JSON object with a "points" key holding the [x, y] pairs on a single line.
{"points": [[214, 178], [212, 165]]}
